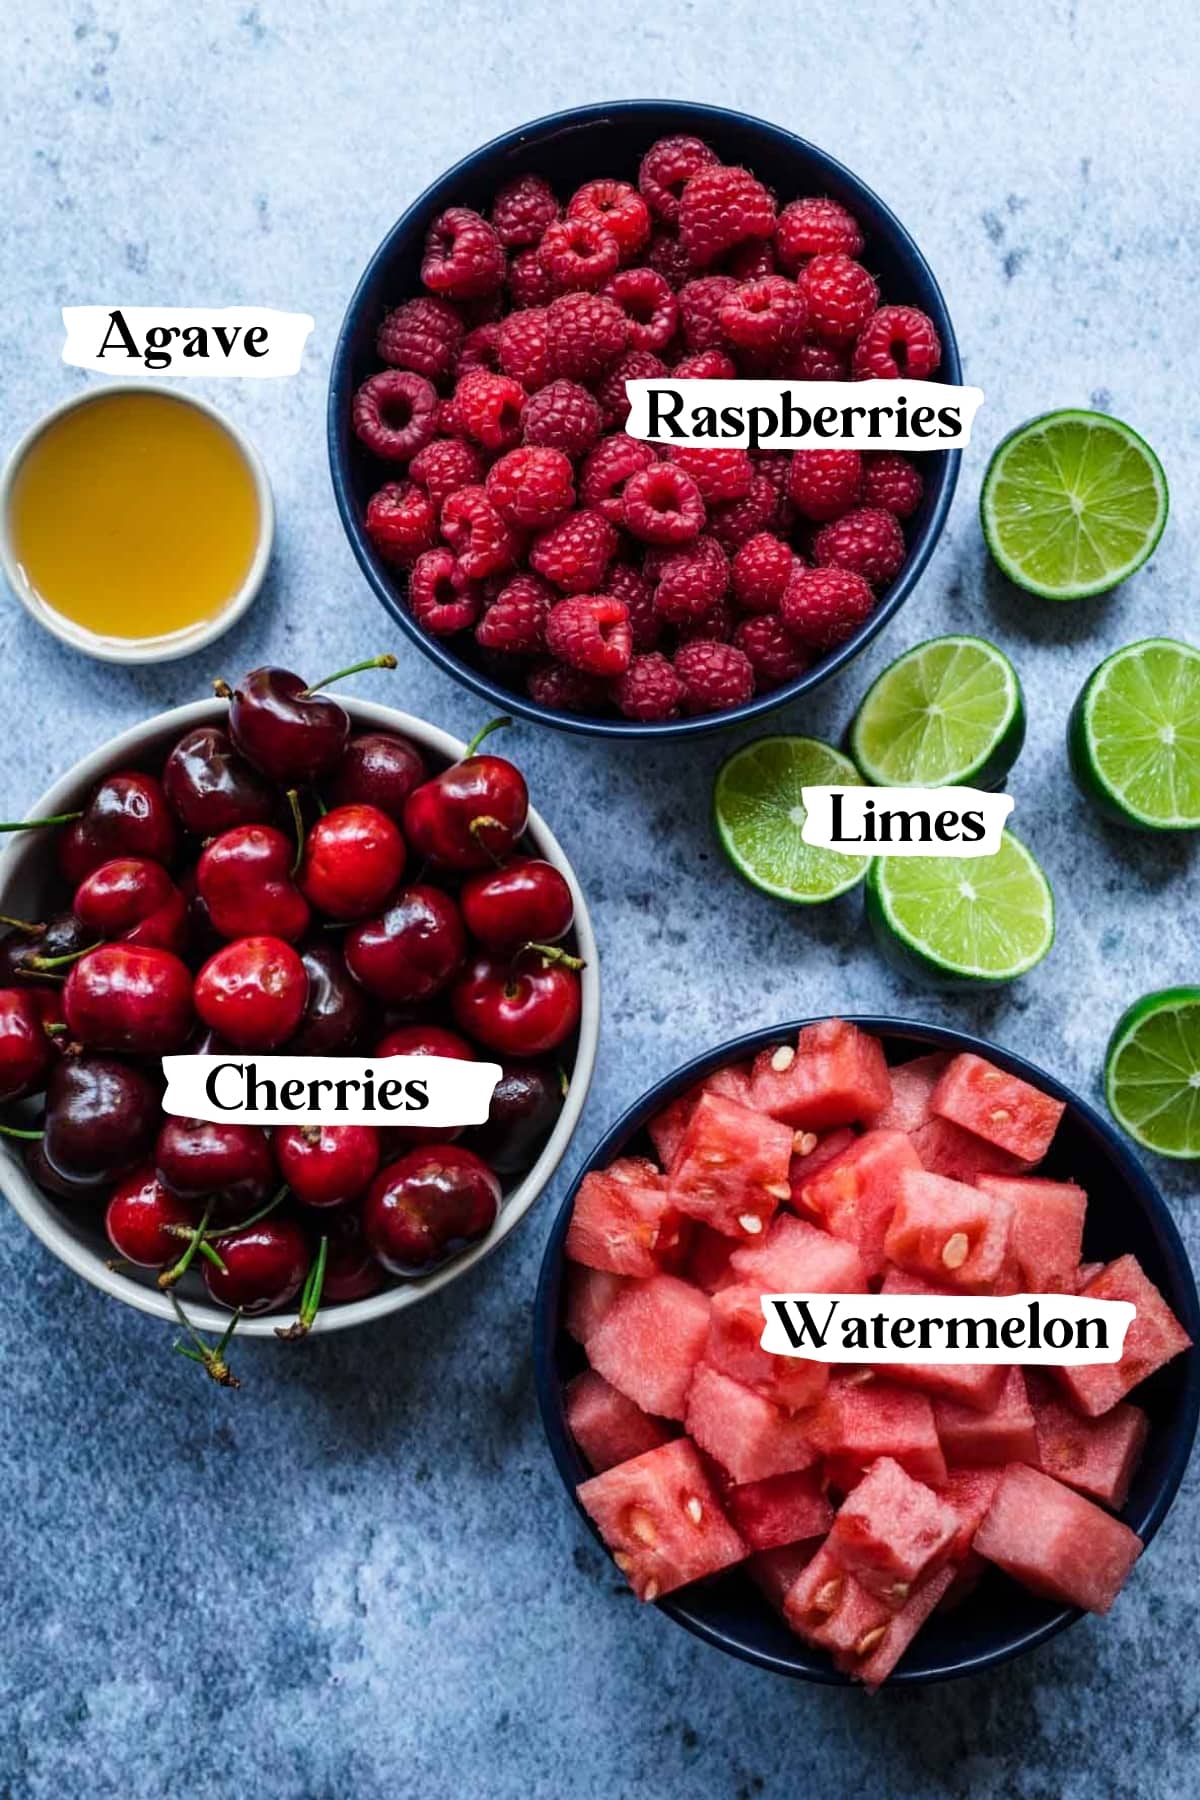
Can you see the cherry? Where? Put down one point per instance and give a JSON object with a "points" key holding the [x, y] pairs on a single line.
{"points": [[143, 1219], [336, 1010], [244, 879], [46, 1176], [326, 1165], [134, 900], [424, 1040], [412, 950], [525, 1104], [351, 1272], [470, 815], [519, 1007], [252, 992], [231, 1163], [127, 815], [379, 769], [101, 1116], [265, 1265], [428, 1204], [27, 1051], [527, 901], [284, 728], [352, 862], [127, 997], [211, 787]]}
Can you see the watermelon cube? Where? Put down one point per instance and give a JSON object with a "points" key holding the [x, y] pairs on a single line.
{"points": [[863, 1418], [835, 1075], [828, 1607], [707, 1265], [948, 1232], [890, 1530], [1046, 1237], [784, 1509], [649, 1342], [589, 1294], [608, 1427], [1000, 1108], [968, 1493], [1097, 1456], [898, 1634], [971, 1384], [731, 1170], [796, 1258], [1154, 1337], [750, 1438], [854, 1195], [912, 1088], [946, 1149], [735, 1328], [660, 1516], [666, 1129], [622, 1220], [812, 1150], [776, 1571], [1055, 1541], [1003, 1434]]}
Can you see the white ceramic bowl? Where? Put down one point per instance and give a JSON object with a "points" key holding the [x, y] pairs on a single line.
{"points": [[77, 1237]]}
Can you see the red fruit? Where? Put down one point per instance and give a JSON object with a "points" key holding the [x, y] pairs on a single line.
{"points": [[619, 209], [410, 951], [613, 389], [714, 676], [245, 881], [218, 1161], [823, 607], [892, 482], [763, 318], [487, 408], [590, 632], [760, 571], [252, 992], [327, 1165], [824, 484], [705, 365], [395, 413], [897, 343], [101, 1115], [265, 1266], [578, 253], [587, 333], [351, 1272], [719, 474], [522, 1006], [668, 258], [515, 622], [692, 581], [442, 597], [631, 586], [649, 690], [380, 768], [663, 505], [523, 348], [26, 1047], [735, 522], [464, 258], [869, 541], [608, 468], [815, 227], [721, 207], [401, 521], [211, 788], [645, 298], [291, 733], [700, 303], [529, 284], [127, 815], [483, 544], [566, 690], [773, 653], [423, 335], [444, 466], [532, 487], [134, 900], [522, 210], [480, 350], [471, 814], [427, 1205], [563, 416], [527, 901], [841, 297], [335, 1010], [353, 859], [575, 553], [424, 1040], [130, 998], [144, 1219], [666, 167]]}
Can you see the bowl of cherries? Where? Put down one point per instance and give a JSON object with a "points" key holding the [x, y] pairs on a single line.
{"points": [[276, 870]]}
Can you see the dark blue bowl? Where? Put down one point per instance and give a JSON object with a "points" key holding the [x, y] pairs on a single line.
{"points": [[572, 147], [1000, 1620]]}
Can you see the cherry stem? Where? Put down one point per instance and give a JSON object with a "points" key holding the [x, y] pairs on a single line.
{"points": [[54, 1027], [486, 822], [222, 689], [293, 800], [211, 1357], [36, 824], [228, 1230], [44, 964], [553, 953], [170, 1276], [14, 1131], [310, 1298], [387, 661], [207, 1251], [492, 725], [24, 925]]}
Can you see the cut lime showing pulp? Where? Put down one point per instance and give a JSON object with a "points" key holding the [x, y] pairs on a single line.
{"points": [[1134, 736], [1072, 504], [957, 920], [759, 815], [1152, 1072], [948, 711]]}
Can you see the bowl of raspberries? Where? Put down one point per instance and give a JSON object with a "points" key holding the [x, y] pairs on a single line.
{"points": [[478, 404]]}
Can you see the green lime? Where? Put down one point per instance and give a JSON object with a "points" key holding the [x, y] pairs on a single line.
{"points": [[1072, 504], [759, 814], [948, 711], [1134, 736], [956, 921], [1152, 1072]]}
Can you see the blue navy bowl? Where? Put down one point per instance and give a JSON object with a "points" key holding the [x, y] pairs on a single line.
{"points": [[1000, 1619], [569, 148]]}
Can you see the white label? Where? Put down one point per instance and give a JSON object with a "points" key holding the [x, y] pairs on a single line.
{"points": [[802, 415], [871, 821], [253, 341], [421, 1091], [1061, 1330]]}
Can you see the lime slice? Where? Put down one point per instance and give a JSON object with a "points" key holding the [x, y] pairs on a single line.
{"points": [[759, 815], [1152, 1072], [948, 711], [954, 921], [1072, 504], [1134, 736]]}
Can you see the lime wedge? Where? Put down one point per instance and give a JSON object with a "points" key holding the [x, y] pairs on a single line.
{"points": [[954, 921], [1134, 736], [948, 711], [1152, 1072], [1072, 504], [759, 815]]}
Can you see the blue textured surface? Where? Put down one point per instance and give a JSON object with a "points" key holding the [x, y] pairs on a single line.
{"points": [[359, 1575]]}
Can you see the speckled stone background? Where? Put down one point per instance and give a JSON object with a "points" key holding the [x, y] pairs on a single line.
{"points": [[359, 1576]]}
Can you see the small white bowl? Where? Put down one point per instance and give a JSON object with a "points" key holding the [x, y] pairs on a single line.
{"points": [[76, 1236], [172, 644]]}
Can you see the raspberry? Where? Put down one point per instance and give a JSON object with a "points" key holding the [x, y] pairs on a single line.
{"points": [[720, 474], [635, 365], [563, 416], [590, 632], [531, 487], [815, 227], [552, 684], [604, 474], [477, 534], [692, 581], [824, 484], [441, 598], [764, 317], [464, 258], [649, 690], [650, 308], [774, 656], [480, 350], [587, 333], [663, 505], [522, 210], [666, 167], [760, 571], [528, 282], [841, 297], [714, 675], [705, 365], [733, 523], [721, 207], [631, 586], [898, 343], [423, 335], [523, 348], [395, 413], [619, 209], [444, 466], [579, 253], [823, 607], [716, 625], [869, 541], [891, 481], [751, 260], [575, 553], [814, 362], [401, 521], [667, 257], [515, 622], [700, 303], [487, 408]]}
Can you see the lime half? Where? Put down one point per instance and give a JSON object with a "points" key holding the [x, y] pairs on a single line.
{"points": [[1072, 504], [948, 711], [1152, 1072], [954, 921], [1134, 736], [759, 814]]}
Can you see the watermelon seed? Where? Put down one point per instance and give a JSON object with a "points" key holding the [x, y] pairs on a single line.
{"points": [[779, 1190], [623, 1562], [783, 1058], [804, 1142], [640, 1523], [695, 1510], [650, 1591], [827, 1597], [956, 1250], [750, 1223], [868, 1641]]}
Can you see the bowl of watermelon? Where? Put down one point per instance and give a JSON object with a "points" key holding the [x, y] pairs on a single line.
{"points": [[906, 1523]]}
